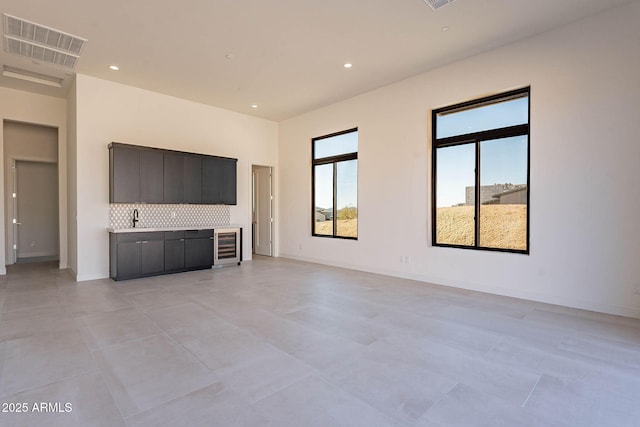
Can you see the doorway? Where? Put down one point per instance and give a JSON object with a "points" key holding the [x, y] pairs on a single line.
{"points": [[31, 188], [262, 210], [35, 211]]}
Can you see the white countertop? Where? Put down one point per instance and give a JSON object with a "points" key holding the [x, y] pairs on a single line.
{"points": [[150, 229]]}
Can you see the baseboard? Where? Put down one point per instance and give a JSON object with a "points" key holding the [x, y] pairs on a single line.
{"points": [[616, 310], [38, 254], [94, 276]]}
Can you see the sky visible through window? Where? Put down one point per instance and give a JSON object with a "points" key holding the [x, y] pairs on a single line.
{"points": [[503, 161], [347, 171], [493, 116], [336, 145]]}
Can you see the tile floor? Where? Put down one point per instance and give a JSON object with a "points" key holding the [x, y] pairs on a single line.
{"points": [[283, 343]]}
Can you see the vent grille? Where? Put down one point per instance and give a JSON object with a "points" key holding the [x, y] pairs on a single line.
{"points": [[436, 4], [30, 76], [25, 38]]}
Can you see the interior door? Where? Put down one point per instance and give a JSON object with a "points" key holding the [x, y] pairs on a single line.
{"points": [[36, 233], [262, 211]]}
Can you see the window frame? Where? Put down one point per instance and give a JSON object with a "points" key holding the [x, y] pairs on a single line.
{"points": [[477, 138], [333, 160]]}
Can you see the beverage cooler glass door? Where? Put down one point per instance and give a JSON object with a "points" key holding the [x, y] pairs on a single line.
{"points": [[226, 249]]}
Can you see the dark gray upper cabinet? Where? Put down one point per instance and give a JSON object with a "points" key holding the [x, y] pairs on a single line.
{"points": [[192, 178], [182, 178], [174, 184], [135, 175], [210, 188], [149, 175], [228, 181], [124, 171], [219, 180]]}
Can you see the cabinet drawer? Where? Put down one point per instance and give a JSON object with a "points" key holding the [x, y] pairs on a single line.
{"points": [[173, 235], [138, 237], [197, 234]]}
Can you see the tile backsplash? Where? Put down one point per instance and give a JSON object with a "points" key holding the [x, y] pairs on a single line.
{"points": [[121, 215]]}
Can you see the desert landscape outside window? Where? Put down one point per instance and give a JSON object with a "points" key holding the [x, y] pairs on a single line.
{"points": [[335, 185], [480, 176]]}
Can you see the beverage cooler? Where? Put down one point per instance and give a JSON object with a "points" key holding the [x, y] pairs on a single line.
{"points": [[227, 246]]}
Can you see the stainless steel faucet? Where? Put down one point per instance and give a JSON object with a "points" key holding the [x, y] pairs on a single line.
{"points": [[135, 217]]}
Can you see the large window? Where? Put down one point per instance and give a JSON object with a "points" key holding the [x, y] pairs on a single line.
{"points": [[335, 185], [481, 173]]}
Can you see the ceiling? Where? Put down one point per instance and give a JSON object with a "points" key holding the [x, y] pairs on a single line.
{"points": [[285, 56]]}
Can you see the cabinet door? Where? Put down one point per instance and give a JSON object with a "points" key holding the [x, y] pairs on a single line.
{"points": [[210, 181], [174, 184], [219, 180], [228, 181], [173, 254], [129, 259], [125, 175], [152, 256], [192, 179], [198, 253], [151, 180]]}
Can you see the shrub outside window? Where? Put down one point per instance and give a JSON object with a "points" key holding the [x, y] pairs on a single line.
{"points": [[335, 185], [480, 194]]}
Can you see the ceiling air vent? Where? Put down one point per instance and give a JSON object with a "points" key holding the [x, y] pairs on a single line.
{"points": [[30, 76], [436, 4], [31, 40]]}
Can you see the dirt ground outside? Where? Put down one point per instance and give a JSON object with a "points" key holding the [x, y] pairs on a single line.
{"points": [[501, 226]]}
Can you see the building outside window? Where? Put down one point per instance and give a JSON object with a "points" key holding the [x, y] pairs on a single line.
{"points": [[481, 173], [335, 185]]}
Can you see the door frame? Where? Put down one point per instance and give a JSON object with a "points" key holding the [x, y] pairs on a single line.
{"points": [[253, 198]]}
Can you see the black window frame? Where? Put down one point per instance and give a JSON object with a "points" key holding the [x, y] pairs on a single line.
{"points": [[324, 161], [476, 138]]}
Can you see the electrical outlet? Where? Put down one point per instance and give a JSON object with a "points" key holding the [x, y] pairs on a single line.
{"points": [[637, 290]]}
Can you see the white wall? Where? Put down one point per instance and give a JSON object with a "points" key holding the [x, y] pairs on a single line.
{"points": [[585, 204], [72, 181], [109, 112], [28, 107]]}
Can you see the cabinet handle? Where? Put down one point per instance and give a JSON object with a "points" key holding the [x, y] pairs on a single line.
{"points": [[138, 242], [182, 240], [144, 241]]}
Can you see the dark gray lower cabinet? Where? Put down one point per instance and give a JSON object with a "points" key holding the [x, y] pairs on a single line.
{"points": [[174, 251], [136, 254], [152, 257], [145, 254], [129, 259], [198, 249]]}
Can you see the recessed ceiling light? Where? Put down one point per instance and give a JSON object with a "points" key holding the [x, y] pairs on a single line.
{"points": [[114, 67], [348, 65], [445, 28], [254, 105]]}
